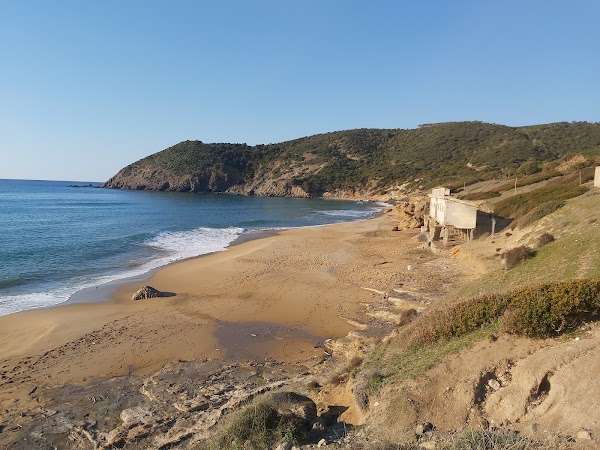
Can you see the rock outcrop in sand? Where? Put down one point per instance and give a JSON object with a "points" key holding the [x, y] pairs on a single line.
{"points": [[411, 212], [147, 292]]}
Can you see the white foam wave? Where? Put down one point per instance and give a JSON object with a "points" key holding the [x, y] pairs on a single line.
{"points": [[351, 213], [187, 244], [170, 246]]}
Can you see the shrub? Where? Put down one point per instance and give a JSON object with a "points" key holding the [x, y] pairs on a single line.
{"points": [[539, 311], [519, 205], [514, 256], [258, 425], [457, 320], [550, 309], [492, 440], [544, 239], [541, 211]]}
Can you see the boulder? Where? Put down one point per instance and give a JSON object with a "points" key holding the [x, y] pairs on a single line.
{"points": [[423, 428], [146, 292], [293, 404], [583, 435], [494, 384], [137, 415], [284, 446], [411, 213]]}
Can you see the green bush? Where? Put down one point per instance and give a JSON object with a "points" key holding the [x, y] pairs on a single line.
{"points": [[256, 426], [457, 320], [540, 311], [541, 211], [519, 205], [550, 309]]}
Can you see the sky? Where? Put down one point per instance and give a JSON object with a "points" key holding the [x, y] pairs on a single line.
{"points": [[87, 87]]}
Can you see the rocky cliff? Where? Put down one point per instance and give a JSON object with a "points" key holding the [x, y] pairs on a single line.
{"points": [[364, 162]]}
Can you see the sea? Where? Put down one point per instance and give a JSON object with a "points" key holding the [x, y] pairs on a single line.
{"points": [[57, 240]]}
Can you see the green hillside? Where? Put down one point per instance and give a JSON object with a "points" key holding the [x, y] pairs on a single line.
{"points": [[367, 160]]}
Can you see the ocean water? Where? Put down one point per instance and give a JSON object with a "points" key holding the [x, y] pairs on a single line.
{"points": [[56, 240]]}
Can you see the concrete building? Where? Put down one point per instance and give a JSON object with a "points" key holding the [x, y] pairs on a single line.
{"points": [[597, 177], [446, 212]]}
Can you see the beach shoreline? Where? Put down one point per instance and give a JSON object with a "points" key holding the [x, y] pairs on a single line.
{"points": [[276, 298], [104, 292], [38, 330]]}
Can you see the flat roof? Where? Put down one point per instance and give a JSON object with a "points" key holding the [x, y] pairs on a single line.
{"points": [[457, 200]]}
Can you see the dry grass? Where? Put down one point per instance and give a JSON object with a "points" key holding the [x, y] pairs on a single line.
{"points": [[255, 426], [368, 384], [494, 440], [471, 440], [574, 254]]}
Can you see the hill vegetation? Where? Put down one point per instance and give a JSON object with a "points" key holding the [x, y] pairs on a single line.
{"points": [[366, 161]]}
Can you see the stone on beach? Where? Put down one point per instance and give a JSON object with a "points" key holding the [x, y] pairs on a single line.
{"points": [[146, 292]]}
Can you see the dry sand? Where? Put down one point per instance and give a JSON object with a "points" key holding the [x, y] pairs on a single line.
{"points": [[276, 297]]}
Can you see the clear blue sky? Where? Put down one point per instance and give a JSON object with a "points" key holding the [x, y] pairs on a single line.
{"points": [[87, 87]]}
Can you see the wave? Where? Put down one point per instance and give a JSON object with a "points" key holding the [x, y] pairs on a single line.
{"points": [[351, 213], [11, 282], [168, 247], [187, 244]]}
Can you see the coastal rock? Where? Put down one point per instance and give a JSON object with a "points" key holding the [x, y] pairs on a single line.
{"points": [[423, 428], [136, 416], [583, 435], [494, 384], [146, 292], [411, 213], [293, 404]]}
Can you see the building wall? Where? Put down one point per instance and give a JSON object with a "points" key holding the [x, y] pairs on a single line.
{"points": [[440, 192], [597, 177], [446, 210], [433, 207], [461, 215], [437, 209]]}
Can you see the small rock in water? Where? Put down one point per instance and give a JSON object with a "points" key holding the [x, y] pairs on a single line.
{"points": [[146, 292], [322, 443]]}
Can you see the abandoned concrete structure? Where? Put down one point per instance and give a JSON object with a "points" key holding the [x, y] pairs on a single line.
{"points": [[597, 177], [446, 213]]}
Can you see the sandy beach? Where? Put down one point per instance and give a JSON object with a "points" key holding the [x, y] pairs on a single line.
{"points": [[277, 297]]}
